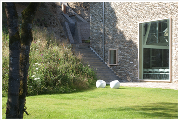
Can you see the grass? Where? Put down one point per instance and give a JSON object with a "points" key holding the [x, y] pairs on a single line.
{"points": [[104, 103]]}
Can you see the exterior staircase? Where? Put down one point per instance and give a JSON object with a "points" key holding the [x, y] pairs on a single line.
{"points": [[77, 29], [90, 58]]}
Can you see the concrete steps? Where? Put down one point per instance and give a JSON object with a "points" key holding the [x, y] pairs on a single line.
{"points": [[79, 30], [90, 58]]}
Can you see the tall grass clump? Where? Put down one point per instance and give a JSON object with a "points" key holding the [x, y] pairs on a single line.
{"points": [[5, 62], [53, 67]]}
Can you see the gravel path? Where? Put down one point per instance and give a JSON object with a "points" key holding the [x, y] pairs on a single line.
{"points": [[151, 85]]}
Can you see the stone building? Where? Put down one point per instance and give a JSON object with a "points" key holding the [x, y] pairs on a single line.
{"points": [[138, 40]]}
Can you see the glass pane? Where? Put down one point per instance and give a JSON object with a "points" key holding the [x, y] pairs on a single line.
{"points": [[154, 50], [156, 64], [152, 35], [112, 57], [156, 33]]}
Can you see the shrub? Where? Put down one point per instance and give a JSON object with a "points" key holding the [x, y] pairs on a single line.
{"points": [[53, 67], [5, 63]]}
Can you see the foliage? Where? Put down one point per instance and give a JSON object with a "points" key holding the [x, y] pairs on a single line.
{"points": [[104, 103], [53, 67], [5, 63]]}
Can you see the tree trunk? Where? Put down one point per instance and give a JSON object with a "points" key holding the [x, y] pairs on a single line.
{"points": [[26, 39], [14, 54], [19, 58]]}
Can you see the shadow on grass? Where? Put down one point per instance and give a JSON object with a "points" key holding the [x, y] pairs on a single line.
{"points": [[163, 110], [91, 88], [121, 87], [54, 93]]}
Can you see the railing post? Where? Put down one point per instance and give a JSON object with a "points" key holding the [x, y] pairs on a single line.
{"points": [[103, 36], [64, 8]]}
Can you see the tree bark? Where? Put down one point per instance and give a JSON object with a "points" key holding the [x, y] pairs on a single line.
{"points": [[19, 49], [26, 39], [14, 54]]}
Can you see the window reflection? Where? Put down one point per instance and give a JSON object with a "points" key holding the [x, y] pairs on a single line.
{"points": [[156, 33], [154, 41], [112, 58]]}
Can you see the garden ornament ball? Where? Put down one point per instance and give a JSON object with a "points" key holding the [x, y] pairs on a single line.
{"points": [[115, 84], [100, 84]]}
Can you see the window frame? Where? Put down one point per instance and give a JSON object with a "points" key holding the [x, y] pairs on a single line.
{"points": [[110, 56], [140, 52]]}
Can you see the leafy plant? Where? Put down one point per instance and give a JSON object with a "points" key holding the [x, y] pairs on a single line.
{"points": [[53, 67]]}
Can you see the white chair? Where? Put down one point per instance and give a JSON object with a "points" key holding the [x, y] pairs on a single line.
{"points": [[115, 84], [100, 84]]}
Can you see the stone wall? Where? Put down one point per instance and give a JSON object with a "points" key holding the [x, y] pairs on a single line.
{"points": [[81, 8], [96, 27], [121, 32], [48, 16], [84, 30]]}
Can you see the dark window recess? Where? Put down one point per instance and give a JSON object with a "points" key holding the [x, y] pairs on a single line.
{"points": [[112, 57]]}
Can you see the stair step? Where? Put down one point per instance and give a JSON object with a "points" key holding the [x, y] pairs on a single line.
{"points": [[98, 65], [89, 57], [100, 68], [91, 60], [104, 71], [108, 76], [86, 52], [105, 74], [96, 62]]}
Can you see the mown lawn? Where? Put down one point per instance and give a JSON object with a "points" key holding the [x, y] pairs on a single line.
{"points": [[104, 103]]}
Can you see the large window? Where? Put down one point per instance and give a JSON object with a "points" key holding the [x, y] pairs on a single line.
{"points": [[154, 52]]}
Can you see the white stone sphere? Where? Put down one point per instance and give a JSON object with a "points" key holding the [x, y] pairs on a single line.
{"points": [[115, 84], [100, 84]]}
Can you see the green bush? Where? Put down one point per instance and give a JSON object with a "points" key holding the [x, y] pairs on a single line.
{"points": [[53, 67], [5, 63]]}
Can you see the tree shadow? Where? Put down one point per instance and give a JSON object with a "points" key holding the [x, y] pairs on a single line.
{"points": [[108, 86], [117, 35], [162, 110]]}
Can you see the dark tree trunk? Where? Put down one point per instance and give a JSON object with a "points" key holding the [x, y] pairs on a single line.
{"points": [[19, 58], [26, 39], [14, 54]]}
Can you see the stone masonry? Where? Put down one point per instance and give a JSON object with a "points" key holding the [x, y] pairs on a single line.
{"points": [[84, 30], [81, 8], [121, 32], [78, 26], [48, 16]]}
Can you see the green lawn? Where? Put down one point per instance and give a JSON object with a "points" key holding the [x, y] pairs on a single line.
{"points": [[104, 103]]}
